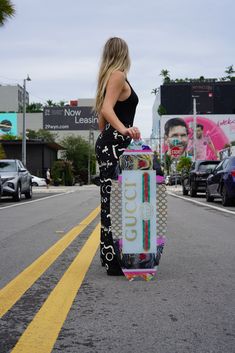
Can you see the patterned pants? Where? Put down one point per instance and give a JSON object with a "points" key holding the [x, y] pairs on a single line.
{"points": [[108, 152]]}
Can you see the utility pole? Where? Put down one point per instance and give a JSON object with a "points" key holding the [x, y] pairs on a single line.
{"points": [[194, 129], [24, 122], [90, 138]]}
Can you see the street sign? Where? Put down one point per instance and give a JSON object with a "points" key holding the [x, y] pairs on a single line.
{"points": [[176, 151]]}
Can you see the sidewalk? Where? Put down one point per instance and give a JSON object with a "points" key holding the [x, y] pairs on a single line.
{"points": [[61, 188], [176, 189]]}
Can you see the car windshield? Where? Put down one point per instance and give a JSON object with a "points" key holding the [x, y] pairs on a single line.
{"points": [[204, 167], [7, 166]]}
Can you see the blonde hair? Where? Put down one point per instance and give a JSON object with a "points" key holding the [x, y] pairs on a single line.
{"points": [[115, 57]]}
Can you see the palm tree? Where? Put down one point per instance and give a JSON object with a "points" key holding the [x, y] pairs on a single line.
{"points": [[155, 91], [7, 10], [230, 71], [49, 103], [166, 76]]}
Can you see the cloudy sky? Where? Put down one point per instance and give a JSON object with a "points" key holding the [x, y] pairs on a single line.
{"points": [[58, 43]]}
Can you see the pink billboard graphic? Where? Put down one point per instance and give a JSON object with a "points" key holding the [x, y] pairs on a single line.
{"points": [[213, 133]]}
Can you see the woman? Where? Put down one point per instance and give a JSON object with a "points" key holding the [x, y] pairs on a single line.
{"points": [[115, 104]]}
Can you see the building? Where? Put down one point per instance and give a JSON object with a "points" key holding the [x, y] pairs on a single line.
{"points": [[215, 112], [40, 155], [11, 98], [77, 120]]}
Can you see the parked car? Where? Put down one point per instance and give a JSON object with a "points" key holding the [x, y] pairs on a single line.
{"points": [[195, 180], [95, 179], [221, 182], [174, 179], [36, 181], [0, 187], [16, 179], [167, 179]]}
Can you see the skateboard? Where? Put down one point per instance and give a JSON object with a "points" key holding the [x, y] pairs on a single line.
{"points": [[138, 209]]}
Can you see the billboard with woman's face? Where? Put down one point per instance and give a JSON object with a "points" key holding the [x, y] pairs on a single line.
{"points": [[213, 133]]}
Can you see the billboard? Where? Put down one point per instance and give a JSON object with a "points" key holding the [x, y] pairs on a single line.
{"points": [[69, 118], [8, 123], [213, 133]]}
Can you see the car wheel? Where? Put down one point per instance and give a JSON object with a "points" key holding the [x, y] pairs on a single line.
{"points": [[185, 191], [29, 193], [35, 184], [17, 195], [192, 191], [225, 199], [209, 198]]}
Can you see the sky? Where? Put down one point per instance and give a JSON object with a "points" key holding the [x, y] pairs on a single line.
{"points": [[59, 45]]}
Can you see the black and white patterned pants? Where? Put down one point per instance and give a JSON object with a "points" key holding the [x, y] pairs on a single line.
{"points": [[108, 151]]}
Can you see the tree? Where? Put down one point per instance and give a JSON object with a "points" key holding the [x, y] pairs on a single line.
{"points": [[2, 152], [161, 110], [49, 103], [9, 137], [168, 162], [166, 76], [62, 173], [230, 71], [34, 108], [184, 163], [76, 151], [42, 135], [154, 91], [7, 10]]}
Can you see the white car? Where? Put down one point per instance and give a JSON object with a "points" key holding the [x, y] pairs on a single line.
{"points": [[36, 181]]}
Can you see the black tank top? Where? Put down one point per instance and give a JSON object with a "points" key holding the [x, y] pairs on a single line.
{"points": [[125, 111]]}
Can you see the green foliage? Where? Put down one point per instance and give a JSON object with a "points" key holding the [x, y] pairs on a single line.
{"points": [[9, 137], [161, 110], [62, 173], [168, 162], [76, 151], [42, 135], [7, 10], [184, 163], [34, 108], [2, 152], [165, 75], [166, 78]]}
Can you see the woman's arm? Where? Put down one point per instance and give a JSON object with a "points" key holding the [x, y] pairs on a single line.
{"points": [[101, 122], [115, 87]]}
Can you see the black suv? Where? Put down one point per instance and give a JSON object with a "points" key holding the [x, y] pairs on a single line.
{"points": [[195, 180]]}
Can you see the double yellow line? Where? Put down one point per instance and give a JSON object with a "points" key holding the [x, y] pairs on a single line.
{"points": [[43, 331]]}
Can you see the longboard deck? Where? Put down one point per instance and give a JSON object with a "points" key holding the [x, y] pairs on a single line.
{"points": [[140, 264]]}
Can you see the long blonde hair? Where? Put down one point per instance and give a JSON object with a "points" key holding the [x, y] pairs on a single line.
{"points": [[115, 57]]}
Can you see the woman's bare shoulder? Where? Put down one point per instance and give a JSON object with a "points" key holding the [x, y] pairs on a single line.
{"points": [[118, 75]]}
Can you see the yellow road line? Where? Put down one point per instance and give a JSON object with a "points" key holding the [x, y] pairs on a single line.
{"points": [[41, 334], [13, 291]]}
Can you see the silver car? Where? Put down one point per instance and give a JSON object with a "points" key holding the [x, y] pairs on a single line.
{"points": [[16, 179]]}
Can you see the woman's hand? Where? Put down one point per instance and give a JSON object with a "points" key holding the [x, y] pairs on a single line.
{"points": [[133, 132]]}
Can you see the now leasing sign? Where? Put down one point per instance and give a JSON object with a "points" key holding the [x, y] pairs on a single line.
{"points": [[69, 118], [139, 211]]}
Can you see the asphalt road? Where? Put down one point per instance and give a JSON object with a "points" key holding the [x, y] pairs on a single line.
{"points": [[189, 307]]}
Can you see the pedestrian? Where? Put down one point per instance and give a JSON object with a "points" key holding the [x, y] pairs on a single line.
{"points": [[48, 177], [115, 105]]}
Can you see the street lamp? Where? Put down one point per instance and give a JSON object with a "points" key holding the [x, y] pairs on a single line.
{"points": [[24, 125], [90, 138]]}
